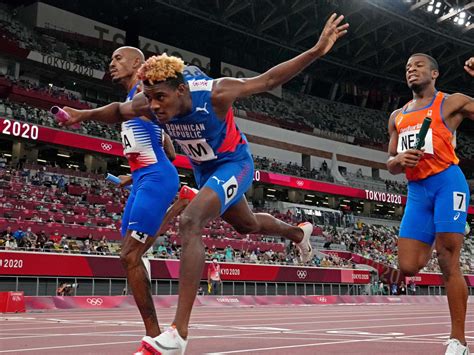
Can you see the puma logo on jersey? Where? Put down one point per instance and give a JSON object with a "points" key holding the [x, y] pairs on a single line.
{"points": [[219, 181], [202, 109]]}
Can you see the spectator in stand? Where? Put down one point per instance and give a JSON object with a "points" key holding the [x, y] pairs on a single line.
{"points": [[19, 235], [229, 254], [41, 240]]}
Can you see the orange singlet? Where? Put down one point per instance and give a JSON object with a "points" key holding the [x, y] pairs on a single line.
{"points": [[439, 142]]}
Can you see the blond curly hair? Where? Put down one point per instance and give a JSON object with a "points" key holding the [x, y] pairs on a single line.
{"points": [[160, 68]]}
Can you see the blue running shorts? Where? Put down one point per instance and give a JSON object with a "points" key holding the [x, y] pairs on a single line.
{"points": [[436, 204], [146, 206], [230, 180]]}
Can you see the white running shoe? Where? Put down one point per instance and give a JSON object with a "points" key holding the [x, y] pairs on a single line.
{"points": [[305, 248], [167, 343], [456, 348]]}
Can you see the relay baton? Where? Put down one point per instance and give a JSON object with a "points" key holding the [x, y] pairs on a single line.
{"points": [[422, 135], [114, 179], [62, 116]]}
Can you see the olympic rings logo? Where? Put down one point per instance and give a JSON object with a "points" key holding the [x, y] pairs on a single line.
{"points": [[95, 301], [106, 146], [299, 183], [301, 274]]}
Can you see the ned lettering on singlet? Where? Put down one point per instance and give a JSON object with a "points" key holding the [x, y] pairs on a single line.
{"points": [[438, 194]]}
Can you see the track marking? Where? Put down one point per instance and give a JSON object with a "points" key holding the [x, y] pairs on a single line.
{"points": [[67, 346], [297, 346]]}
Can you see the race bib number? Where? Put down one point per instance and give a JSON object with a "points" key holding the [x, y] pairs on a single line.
{"points": [[407, 140], [459, 201], [230, 187], [128, 142], [197, 149]]}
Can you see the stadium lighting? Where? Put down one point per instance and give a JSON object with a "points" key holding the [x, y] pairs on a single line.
{"points": [[124, 166], [63, 155], [436, 12], [273, 190], [270, 195], [309, 195], [438, 5], [430, 8], [41, 160], [7, 155], [308, 201]]}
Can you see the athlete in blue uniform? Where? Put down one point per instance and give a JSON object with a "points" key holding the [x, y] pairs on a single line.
{"points": [[155, 184], [197, 114]]}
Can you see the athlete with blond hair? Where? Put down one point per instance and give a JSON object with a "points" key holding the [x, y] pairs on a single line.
{"points": [[197, 114]]}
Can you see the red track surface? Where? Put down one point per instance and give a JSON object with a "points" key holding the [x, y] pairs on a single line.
{"points": [[324, 329]]}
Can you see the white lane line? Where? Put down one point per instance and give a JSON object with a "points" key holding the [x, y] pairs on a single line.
{"points": [[67, 346], [299, 346]]}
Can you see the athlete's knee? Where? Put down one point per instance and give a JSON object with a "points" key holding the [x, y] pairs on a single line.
{"points": [[448, 263], [409, 269], [130, 257], [190, 226]]}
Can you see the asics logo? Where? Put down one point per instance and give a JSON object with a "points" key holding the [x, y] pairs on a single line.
{"points": [[95, 301], [202, 109], [456, 216], [301, 274], [106, 146]]}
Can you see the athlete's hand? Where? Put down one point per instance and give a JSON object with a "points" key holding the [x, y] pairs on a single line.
{"points": [[332, 31], [409, 158], [469, 66], [75, 116], [125, 180]]}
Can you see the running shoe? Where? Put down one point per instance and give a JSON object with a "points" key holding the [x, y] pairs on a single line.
{"points": [[167, 343], [456, 348], [305, 248], [187, 193], [142, 350]]}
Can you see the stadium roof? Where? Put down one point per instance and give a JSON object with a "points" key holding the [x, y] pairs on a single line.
{"points": [[260, 33]]}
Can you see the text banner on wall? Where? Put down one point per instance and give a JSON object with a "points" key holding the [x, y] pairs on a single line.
{"points": [[60, 265], [30, 131]]}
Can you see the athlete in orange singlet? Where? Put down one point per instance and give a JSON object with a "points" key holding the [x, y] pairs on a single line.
{"points": [[438, 194]]}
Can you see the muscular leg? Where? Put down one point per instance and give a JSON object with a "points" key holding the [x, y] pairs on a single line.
{"points": [[245, 221], [413, 255], [448, 246], [205, 207], [137, 276]]}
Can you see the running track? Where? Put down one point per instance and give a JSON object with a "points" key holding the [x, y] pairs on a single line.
{"points": [[320, 329]]}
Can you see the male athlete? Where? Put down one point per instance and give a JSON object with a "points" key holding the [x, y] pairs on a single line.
{"points": [[155, 183], [438, 194], [198, 115]]}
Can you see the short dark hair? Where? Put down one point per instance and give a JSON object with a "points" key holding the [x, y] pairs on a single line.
{"points": [[433, 62]]}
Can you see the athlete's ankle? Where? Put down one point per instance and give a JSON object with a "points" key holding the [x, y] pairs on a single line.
{"points": [[182, 331]]}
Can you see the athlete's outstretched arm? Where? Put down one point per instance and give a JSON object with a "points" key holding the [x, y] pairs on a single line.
{"points": [[112, 113], [469, 66], [227, 90], [397, 162]]}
